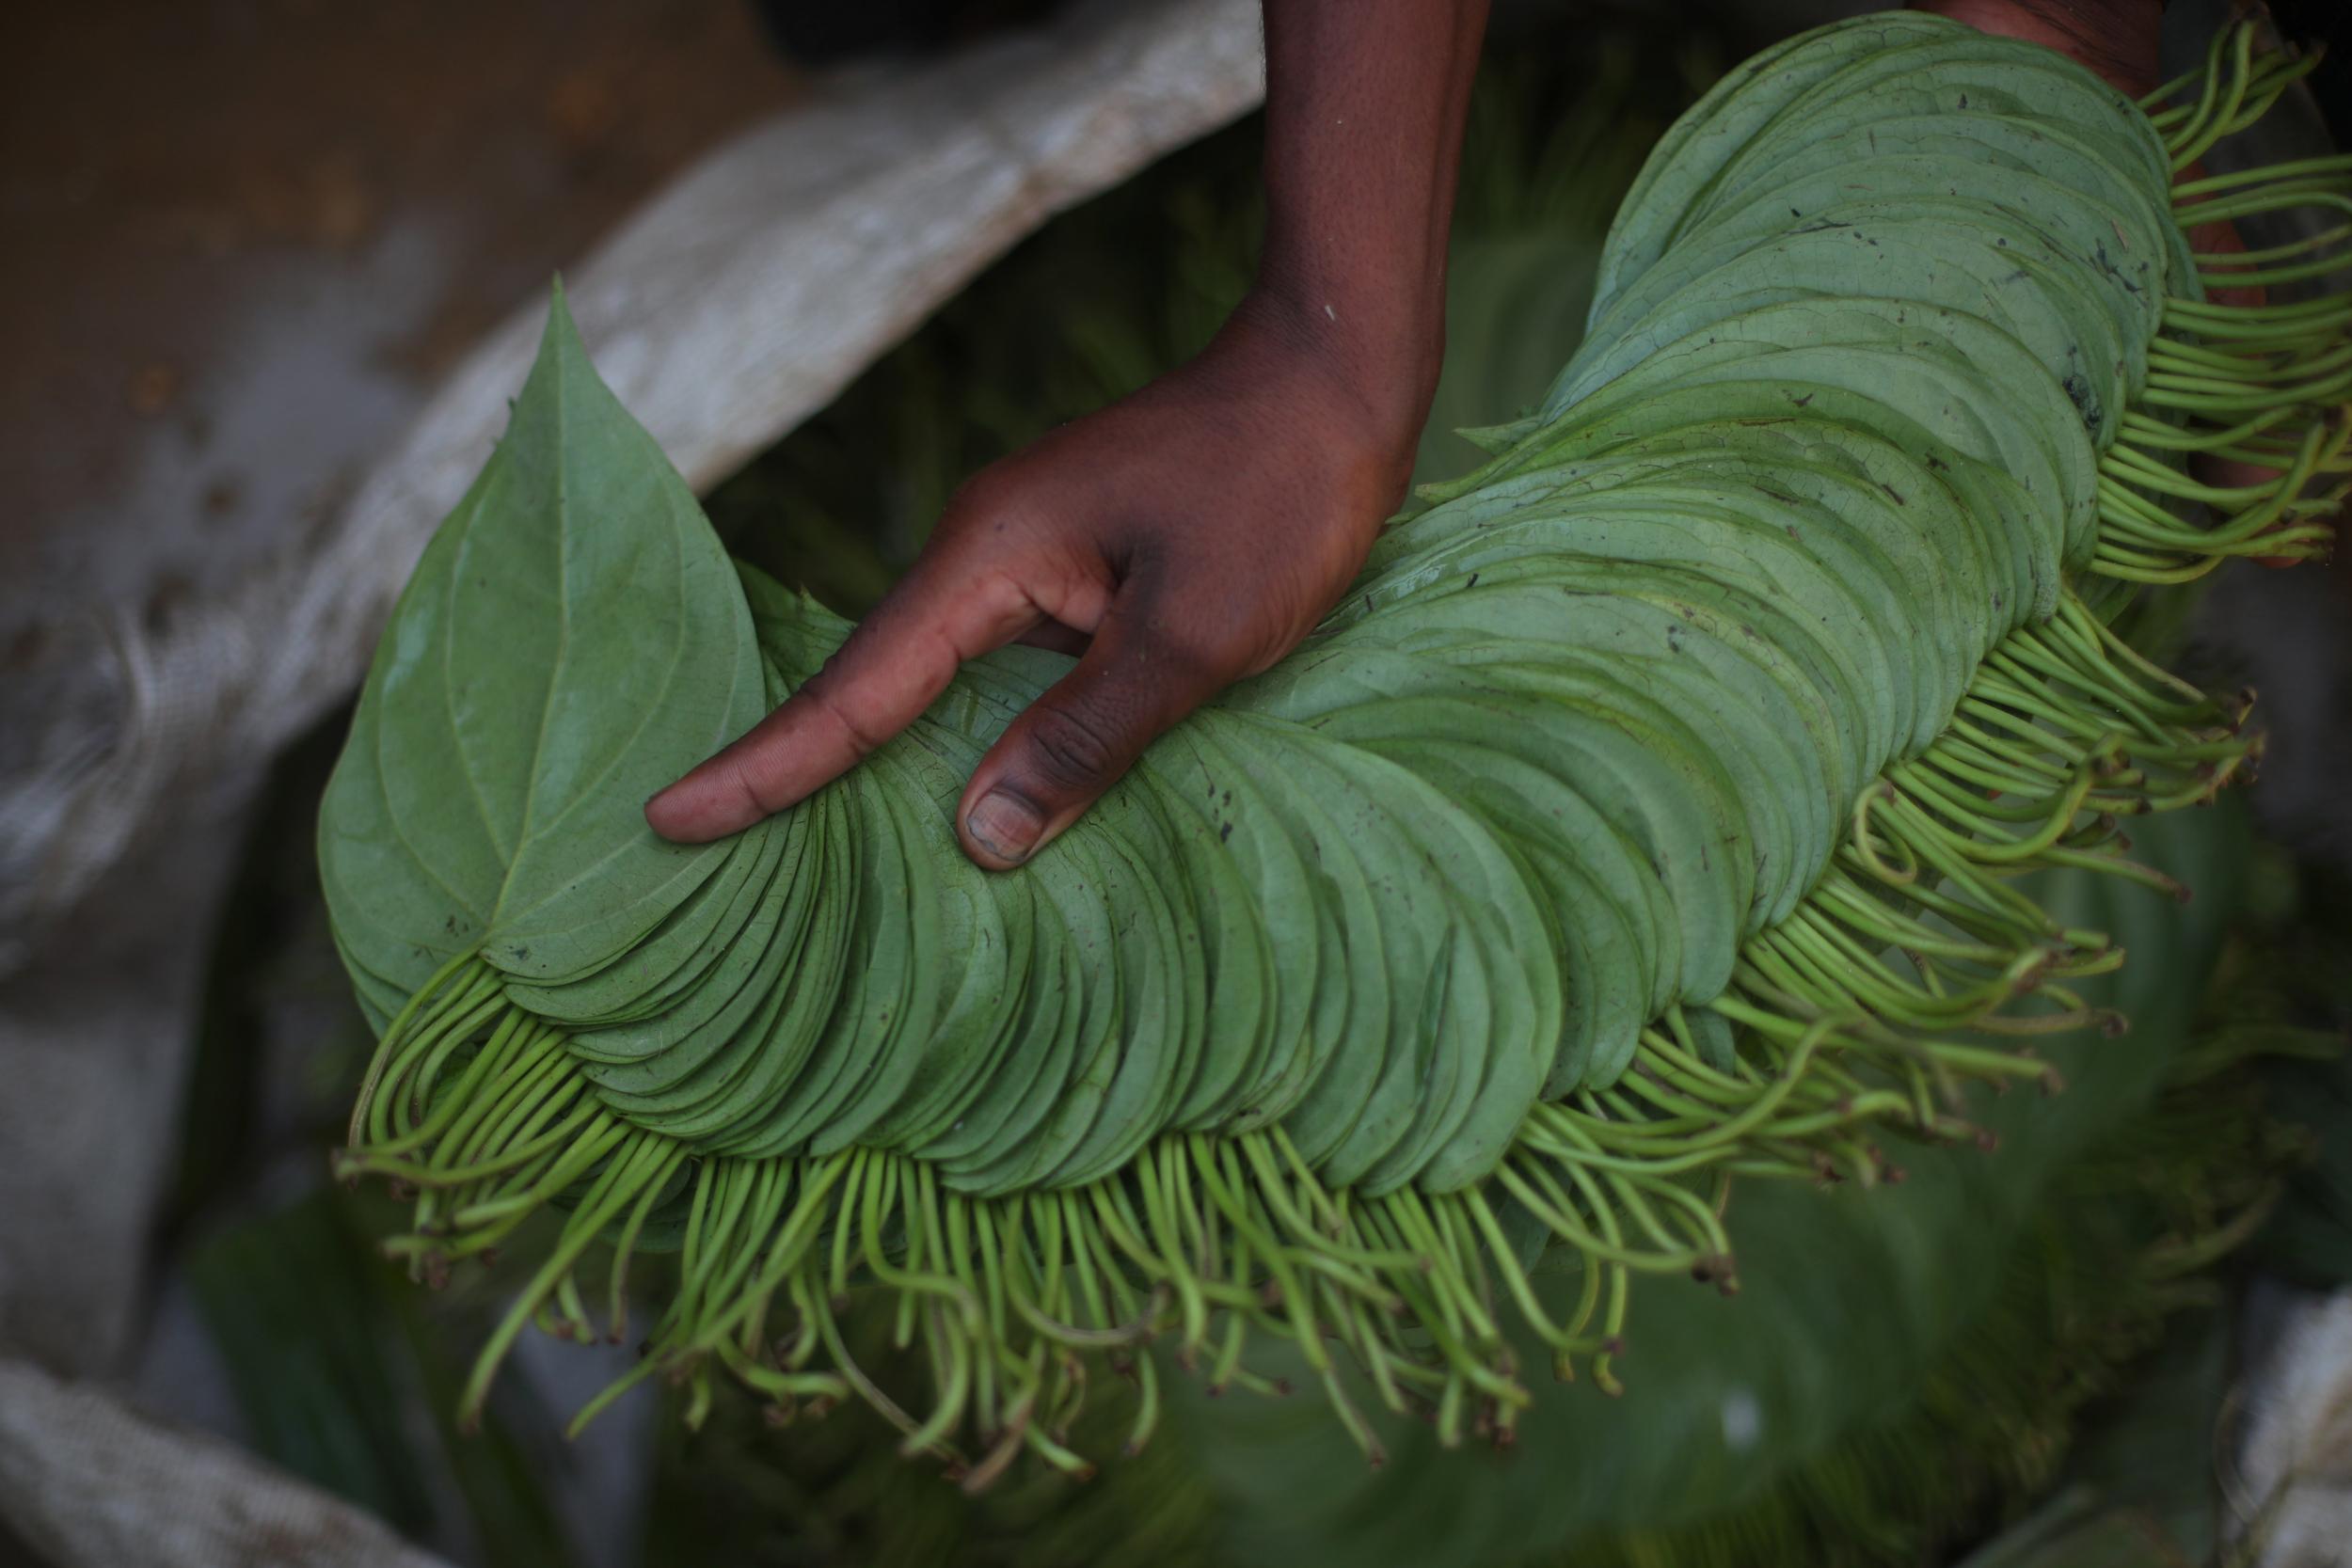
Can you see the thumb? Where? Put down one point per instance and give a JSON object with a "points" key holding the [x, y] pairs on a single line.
{"points": [[1079, 737]]}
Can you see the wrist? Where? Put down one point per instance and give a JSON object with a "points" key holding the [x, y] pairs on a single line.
{"points": [[1376, 353]]}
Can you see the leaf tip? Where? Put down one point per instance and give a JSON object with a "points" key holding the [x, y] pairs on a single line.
{"points": [[562, 331]]}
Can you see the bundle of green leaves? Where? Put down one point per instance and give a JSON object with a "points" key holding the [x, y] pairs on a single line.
{"points": [[1643, 821]]}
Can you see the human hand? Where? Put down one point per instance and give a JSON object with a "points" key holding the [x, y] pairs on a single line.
{"points": [[1177, 541], [1192, 534]]}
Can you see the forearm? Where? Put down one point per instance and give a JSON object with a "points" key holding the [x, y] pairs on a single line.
{"points": [[2116, 39], [1365, 101]]}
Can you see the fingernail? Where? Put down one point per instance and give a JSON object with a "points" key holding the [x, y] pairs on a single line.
{"points": [[1005, 825]]}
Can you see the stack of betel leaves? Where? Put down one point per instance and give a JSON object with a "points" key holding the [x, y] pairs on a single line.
{"points": [[1644, 820]]}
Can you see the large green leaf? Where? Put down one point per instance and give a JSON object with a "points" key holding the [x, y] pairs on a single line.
{"points": [[571, 640]]}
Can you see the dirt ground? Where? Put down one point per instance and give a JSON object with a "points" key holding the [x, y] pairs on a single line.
{"points": [[244, 235]]}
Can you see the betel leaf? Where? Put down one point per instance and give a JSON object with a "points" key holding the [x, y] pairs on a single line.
{"points": [[572, 640]]}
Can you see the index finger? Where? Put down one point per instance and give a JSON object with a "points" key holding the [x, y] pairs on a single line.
{"points": [[891, 667]]}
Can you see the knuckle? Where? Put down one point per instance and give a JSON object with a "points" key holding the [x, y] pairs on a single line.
{"points": [[1068, 752], [754, 787], [824, 700], [982, 491], [1004, 602], [984, 503]]}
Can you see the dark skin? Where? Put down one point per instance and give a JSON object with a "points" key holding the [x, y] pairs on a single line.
{"points": [[1191, 534]]}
